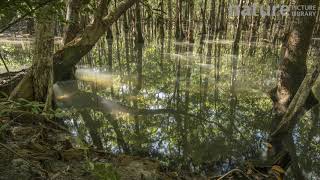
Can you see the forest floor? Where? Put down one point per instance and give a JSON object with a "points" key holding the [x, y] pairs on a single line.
{"points": [[33, 147]]}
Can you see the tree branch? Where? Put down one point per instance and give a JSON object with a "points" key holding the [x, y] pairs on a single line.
{"points": [[25, 15]]}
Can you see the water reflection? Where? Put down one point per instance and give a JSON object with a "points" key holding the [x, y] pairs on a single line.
{"points": [[200, 108], [184, 106]]}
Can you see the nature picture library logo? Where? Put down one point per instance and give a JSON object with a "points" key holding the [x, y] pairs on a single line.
{"points": [[273, 10]]}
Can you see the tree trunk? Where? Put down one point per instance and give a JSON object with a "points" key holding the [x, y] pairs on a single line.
{"points": [[161, 21], [203, 15], [43, 56], [235, 47], [179, 32], [72, 27], [292, 69], [212, 19], [66, 58], [139, 37], [36, 84], [190, 21]]}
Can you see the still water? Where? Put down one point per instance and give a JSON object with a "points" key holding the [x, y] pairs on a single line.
{"points": [[195, 107]]}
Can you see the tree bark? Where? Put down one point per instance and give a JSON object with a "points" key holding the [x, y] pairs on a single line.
{"points": [[139, 36], [66, 58], [292, 71], [39, 80], [72, 27], [179, 32], [72, 52]]}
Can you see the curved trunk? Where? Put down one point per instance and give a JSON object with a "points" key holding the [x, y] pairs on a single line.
{"points": [[292, 71]]}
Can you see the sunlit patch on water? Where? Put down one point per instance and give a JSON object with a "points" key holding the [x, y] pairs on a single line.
{"points": [[186, 44], [60, 93], [227, 42], [99, 77]]}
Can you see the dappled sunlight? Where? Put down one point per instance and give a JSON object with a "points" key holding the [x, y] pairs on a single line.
{"points": [[95, 76]]}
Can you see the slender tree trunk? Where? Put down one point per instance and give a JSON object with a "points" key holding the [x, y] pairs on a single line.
{"points": [[255, 24], [72, 27], [212, 21], [161, 20], [204, 27], [179, 32], [170, 16], [222, 26], [190, 21], [139, 37], [237, 36]]}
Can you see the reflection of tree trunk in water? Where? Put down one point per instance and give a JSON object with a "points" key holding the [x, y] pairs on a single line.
{"points": [[217, 59], [206, 79], [201, 88], [295, 169], [177, 98], [92, 126], [185, 127], [161, 54], [315, 116], [70, 33], [137, 119], [233, 96], [234, 64], [292, 71], [114, 123], [80, 131], [120, 138]]}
